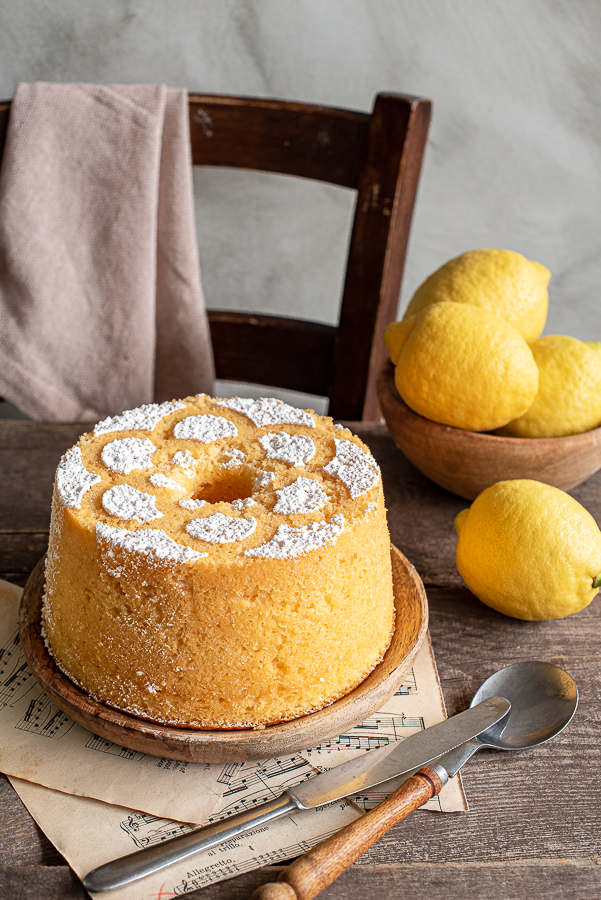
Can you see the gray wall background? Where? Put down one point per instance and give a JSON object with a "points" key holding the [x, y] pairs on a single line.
{"points": [[514, 155]]}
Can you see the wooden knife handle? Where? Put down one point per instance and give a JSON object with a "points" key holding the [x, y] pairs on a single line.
{"points": [[311, 873]]}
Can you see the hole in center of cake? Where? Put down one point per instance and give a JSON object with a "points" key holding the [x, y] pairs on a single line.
{"points": [[228, 487]]}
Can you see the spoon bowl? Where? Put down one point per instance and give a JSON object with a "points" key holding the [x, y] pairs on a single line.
{"points": [[543, 700]]}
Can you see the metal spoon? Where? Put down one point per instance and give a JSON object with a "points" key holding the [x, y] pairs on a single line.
{"points": [[543, 700]]}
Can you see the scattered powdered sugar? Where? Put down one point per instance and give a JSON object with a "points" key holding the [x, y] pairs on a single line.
{"points": [[147, 541], [243, 504], [143, 418], [269, 411], [302, 496], [204, 428], [263, 479], [192, 504], [73, 479], [126, 502], [290, 542], [159, 480], [296, 449], [220, 529], [127, 454], [354, 467], [235, 458], [185, 460]]}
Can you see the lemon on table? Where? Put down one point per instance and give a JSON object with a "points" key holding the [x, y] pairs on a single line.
{"points": [[501, 281], [463, 366], [529, 550], [569, 392]]}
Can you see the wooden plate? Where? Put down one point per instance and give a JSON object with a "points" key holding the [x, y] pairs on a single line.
{"points": [[467, 462], [192, 745]]}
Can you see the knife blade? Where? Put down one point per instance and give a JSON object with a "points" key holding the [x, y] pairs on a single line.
{"points": [[350, 778]]}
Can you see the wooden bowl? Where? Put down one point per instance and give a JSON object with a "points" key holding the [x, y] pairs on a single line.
{"points": [[223, 746], [467, 462]]}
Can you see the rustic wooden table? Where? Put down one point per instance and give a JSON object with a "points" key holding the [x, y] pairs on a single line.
{"points": [[533, 829]]}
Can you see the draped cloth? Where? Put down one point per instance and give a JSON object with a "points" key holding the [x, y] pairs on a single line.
{"points": [[101, 304]]}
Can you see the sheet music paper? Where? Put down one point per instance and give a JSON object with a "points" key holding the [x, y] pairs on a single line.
{"points": [[88, 832]]}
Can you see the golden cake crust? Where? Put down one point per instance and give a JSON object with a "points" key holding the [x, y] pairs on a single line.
{"points": [[218, 564]]}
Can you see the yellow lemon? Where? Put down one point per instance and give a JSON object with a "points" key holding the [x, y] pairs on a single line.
{"points": [[395, 336], [569, 391], [464, 366], [501, 281], [529, 550]]}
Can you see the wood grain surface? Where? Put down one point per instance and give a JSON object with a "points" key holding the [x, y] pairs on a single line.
{"points": [[533, 829]]}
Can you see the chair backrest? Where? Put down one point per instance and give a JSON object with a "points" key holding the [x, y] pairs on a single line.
{"points": [[378, 155]]}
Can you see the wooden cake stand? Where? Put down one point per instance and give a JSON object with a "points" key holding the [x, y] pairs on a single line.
{"points": [[225, 746]]}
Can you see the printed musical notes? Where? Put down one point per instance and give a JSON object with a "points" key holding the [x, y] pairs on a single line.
{"points": [[43, 718]]}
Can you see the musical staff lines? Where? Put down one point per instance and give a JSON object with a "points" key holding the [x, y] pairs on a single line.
{"points": [[197, 878], [250, 784], [43, 718], [409, 685], [95, 742], [16, 679], [146, 830], [377, 731]]}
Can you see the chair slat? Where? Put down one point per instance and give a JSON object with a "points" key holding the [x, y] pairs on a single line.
{"points": [[317, 142], [272, 350]]}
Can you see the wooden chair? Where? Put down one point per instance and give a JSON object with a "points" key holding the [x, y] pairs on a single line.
{"points": [[380, 156]]}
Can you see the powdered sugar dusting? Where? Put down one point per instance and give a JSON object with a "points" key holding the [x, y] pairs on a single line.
{"points": [[269, 411], [125, 455], [73, 479], [192, 504], [143, 418], [185, 460], [355, 468], [147, 541], [205, 429], [263, 479], [220, 529], [234, 458], [288, 542], [296, 449], [302, 496], [160, 480], [243, 504], [125, 502]]}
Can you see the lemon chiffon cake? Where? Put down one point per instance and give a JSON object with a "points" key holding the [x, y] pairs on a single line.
{"points": [[218, 563]]}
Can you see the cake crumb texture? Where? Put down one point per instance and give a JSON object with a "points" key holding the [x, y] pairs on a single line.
{"points": [[255, 589]]}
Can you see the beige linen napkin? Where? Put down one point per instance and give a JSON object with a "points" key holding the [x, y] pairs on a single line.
{"points": [[101, 306]]}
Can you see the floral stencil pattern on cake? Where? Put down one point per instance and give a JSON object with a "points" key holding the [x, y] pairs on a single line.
{"points": [[205, 429], [125, 455], [73, 479], [269, 411], [296, 449], [354, 467], [289, 542], [143, 418], [302, 496], [125, 502], [220, 529]]}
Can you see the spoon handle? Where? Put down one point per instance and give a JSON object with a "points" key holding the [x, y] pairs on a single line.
{"points": [[322, 865]]}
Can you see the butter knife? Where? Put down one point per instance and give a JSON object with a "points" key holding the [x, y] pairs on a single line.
{"points": [[346, 780]]}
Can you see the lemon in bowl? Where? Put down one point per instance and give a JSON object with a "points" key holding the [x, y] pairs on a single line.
{"points": [[463, 366], [568, 400], [502, 281]]}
